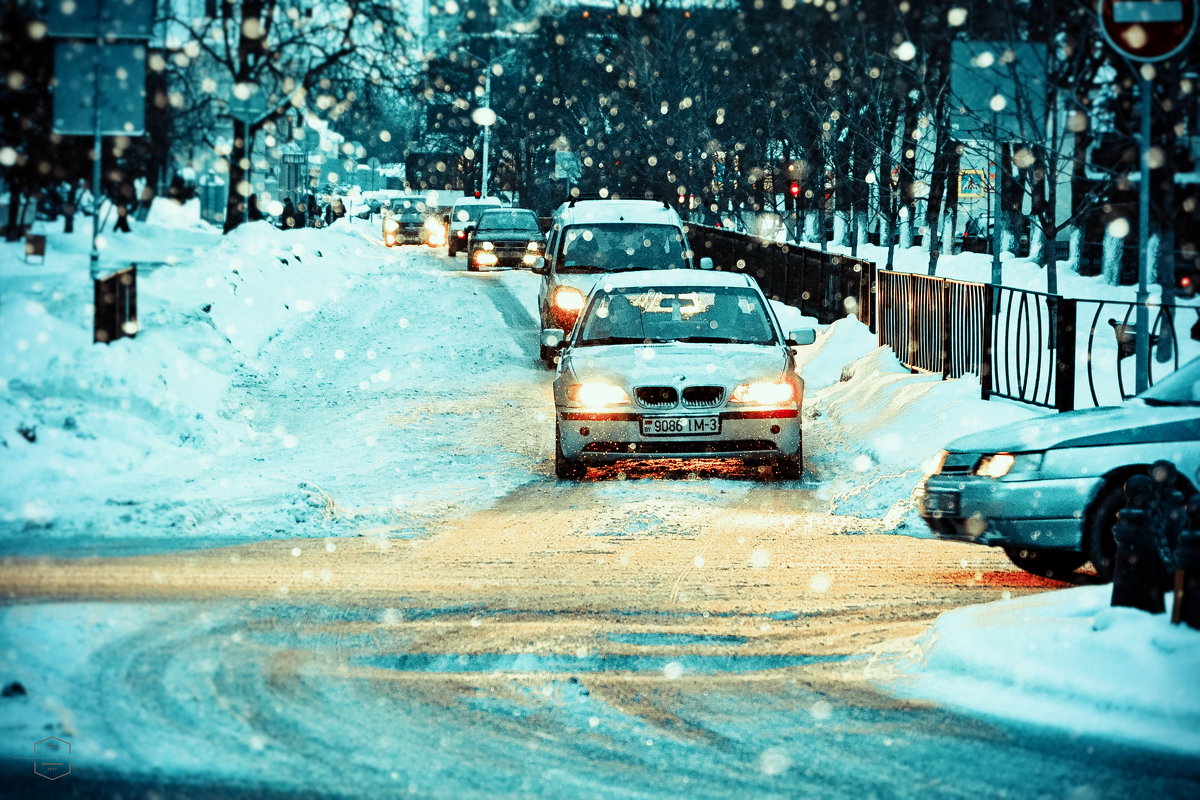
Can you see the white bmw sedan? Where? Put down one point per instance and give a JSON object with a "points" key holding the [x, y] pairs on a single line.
{"points": [[677, 364]]}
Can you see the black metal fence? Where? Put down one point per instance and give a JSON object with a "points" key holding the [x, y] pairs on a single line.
{"points": [[827, 286], [1027, 346], [1032, 347]]}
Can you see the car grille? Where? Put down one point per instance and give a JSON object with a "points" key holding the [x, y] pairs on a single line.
{"points": [[657, 396], [960, 463], [703, 396]]}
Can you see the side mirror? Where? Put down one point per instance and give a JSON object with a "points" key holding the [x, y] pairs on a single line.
{"points": [[706, 263], [552, 337], [801, 336], [539, 267]]}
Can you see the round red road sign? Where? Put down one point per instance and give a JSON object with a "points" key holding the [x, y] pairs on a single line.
{"points": [[1147, 30]]}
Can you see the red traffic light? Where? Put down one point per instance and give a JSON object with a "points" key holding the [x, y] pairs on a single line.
{"points": [[794, 188]]}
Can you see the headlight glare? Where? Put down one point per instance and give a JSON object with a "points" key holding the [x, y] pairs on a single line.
{"points": [[996, 465], [597, 394], [568, 298], [764, 393]]}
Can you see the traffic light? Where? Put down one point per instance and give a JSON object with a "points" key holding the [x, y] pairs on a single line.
{"points": [[794, 188]]}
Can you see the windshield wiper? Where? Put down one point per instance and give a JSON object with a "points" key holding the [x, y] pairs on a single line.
{"points": [[712, 340], [583, 269], [614, 340]]}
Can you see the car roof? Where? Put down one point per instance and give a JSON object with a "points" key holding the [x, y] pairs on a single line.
{"points": [[651, 278], [644, 211]]}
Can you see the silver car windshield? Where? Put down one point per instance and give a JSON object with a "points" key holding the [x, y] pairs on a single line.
{"points": [[679, 314], [615, 247], [1180, 388]]}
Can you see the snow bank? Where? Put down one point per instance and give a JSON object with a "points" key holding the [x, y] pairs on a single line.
{"points": [[1065, 659]]}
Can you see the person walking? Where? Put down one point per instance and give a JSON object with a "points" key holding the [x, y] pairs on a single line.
{"points": [[288, 219]]}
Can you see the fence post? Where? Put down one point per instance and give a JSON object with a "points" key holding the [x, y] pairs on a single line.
{"points": [[946, 328], [987, 332], [1064, 353]]}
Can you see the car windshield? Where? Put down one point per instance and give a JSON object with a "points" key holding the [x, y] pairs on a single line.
{"points": [[719, 315], [615, 247], [1180, 388], [509, 221]]}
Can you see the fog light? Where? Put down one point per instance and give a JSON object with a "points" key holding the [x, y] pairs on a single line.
{"points": [[585, 430]]}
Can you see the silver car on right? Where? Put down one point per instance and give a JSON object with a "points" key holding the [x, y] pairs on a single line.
{"points": [[1048, 490]]}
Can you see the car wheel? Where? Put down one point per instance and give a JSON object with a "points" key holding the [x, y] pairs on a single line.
{"points": [[451, 250], [1047, 563], [566, 469], [1098, 543], [470, 266]]}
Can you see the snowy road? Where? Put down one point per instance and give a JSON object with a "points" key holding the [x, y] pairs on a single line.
{"points": [[411, 603]]}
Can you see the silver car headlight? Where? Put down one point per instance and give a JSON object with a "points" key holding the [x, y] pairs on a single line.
{"points": [[1000, 465], [597, 394]]}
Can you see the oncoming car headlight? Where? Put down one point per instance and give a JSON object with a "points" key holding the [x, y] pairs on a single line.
{"points": [[764, 393], [999, 465], [568, 298], [597, 394]]}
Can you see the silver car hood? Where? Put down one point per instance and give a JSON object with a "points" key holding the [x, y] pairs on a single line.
{"points": [[1135, 422], [677, 364]]}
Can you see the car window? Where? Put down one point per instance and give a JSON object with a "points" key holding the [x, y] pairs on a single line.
{"points": [[509, 221], [1180, 388], [687, 314], [615, 247]]}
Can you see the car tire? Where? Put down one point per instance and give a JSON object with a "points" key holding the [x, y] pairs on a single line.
{"points": [[1099, 546], [471, 267], [451, 250], [1056, 564], [566, 469]]}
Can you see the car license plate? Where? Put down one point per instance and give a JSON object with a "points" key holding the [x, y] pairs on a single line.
{"points": [[680, 426], [941, 504]]}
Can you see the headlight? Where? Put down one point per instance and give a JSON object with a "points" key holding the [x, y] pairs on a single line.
{"points": [[568, 298], [998, 465], [534, 246], [597, 394], [485, 259], [764, 393], [486, 246]]}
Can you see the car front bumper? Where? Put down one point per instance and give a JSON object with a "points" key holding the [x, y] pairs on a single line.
{"points": [[605, 437], [1046, 514]]}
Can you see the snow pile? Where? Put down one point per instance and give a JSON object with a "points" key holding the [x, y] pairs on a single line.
{"points": [[1064, 659]]}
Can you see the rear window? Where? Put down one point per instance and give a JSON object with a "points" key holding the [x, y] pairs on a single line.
{"points": [[620, 246], [471, 212]]}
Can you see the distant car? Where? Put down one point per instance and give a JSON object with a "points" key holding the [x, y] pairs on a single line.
{"points": [[404, 226], [591, 238], [506, 237], [678, 364], [462, 218], [1048, 490]]}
